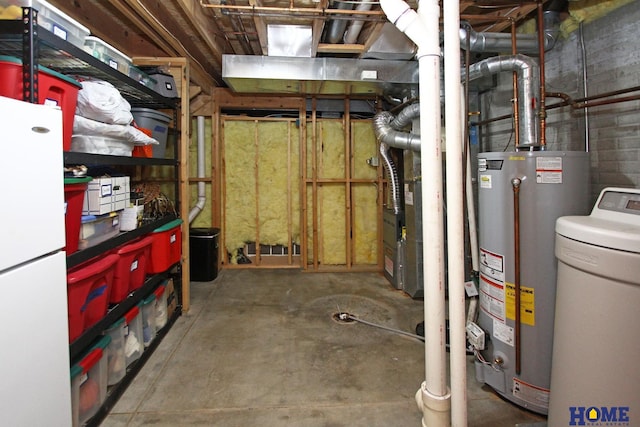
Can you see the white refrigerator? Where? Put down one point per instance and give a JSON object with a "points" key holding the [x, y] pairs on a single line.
{"points": [[34, 351]]}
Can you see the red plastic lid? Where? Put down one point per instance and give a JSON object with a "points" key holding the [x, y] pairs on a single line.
{"points": [[160, 290], [94, 268], [90, 360], [131, 314], [135, 246]]}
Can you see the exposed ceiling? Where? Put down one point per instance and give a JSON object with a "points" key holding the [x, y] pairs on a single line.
{"points": [[205, 30]]}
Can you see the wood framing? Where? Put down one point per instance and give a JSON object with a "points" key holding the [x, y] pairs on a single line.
{"points": [[179, 68]]}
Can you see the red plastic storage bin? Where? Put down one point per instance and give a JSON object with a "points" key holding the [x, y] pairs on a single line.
{"points": [[88, 289], [166, 247], [131, 269], [53, 89], [74, 189]]}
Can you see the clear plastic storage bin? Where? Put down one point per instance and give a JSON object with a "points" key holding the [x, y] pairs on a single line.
{"points": [[50, 18], [107, 54]]}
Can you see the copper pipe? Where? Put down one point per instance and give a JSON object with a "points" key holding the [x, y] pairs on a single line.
{"points": [[515, 182], [576, 103], [516, 116], [484, 18], [543, 111], [565, 97], [608, 94]]}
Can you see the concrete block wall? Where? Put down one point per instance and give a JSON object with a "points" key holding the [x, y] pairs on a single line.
{"points": [[612, 47]]}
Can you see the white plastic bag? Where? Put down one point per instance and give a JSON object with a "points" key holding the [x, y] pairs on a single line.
{"points": [[85, 126], [101, 101], [101, 145]]}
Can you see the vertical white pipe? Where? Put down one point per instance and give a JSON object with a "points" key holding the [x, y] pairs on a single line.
{"points": [[200, 171], [423, 29], [455, 214]]}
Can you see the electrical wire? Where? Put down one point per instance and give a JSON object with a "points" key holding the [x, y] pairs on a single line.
{"points": [[347, 316]]}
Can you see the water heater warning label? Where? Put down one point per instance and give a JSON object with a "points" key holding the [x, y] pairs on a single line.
{"points": [[549, 170], [527, 304], [533, 394], [492, 284]]}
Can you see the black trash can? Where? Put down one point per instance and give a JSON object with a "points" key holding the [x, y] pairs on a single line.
{"points": [[203, 254]]}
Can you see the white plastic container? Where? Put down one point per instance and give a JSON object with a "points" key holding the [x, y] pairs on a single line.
{"points": [[89, 383], [133, 344], [116, 360], [148, 309], [161, 309]]}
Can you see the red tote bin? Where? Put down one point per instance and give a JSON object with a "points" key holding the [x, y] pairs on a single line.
{"points": [[88, 289], [74, 189], [53, 89], [131, 269], [166, 248]]}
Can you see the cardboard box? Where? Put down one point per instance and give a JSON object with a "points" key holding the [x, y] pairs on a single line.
{"points": [[172, 298], [106, 194]]}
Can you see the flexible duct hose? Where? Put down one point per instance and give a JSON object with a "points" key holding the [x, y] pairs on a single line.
{"points": [[385, 133], [393, 175]]}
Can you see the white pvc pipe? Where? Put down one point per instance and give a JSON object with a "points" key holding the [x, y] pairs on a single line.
{"points": [[423, 29], [202, 198], [455, 214]]}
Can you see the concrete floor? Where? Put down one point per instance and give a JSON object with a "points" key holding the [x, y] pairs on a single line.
{"points": [[260, 347]]}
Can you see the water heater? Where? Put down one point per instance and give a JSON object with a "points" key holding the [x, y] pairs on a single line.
{"points": [[520, 196]]}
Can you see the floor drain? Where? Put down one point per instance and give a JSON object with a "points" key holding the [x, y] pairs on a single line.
{"points": [[343, 317]]}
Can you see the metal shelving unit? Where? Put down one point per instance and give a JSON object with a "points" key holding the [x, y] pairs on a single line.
{"points": [[39, 47]]}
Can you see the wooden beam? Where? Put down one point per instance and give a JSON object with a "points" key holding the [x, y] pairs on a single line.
{"points": [[261, 29], [201, 105], [225, 98], [113, 23], [175, 36], [203, 23], [194, 91], [180, 71], [341, 48]]}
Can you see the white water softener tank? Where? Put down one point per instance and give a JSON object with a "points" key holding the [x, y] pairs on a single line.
{"points": [[595, 378], [537, 187]]}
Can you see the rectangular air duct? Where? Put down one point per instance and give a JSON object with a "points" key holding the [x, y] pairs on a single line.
{"points": [[326, 76]]}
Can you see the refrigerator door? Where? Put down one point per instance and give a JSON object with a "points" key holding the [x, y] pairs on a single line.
{"points": [[34, 360], [32, 193]]}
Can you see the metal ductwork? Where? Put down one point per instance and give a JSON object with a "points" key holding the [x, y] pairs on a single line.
{"points": [[527, 72], [385, 132], [336, 27], [393, 176], [351, 36], [388, 128], [326, 76], [501, 42]]}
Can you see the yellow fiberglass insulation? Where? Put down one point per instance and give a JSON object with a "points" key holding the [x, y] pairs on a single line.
{"points": [[331, 198], [365, 231], [332, 224], [365, 147], [240, 190], [275, 184], [262, 176], [331, 149], [587, 11]]}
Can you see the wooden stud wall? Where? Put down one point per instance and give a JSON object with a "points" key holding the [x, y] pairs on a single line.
{"points": [[179, 68], [311, 183]]}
